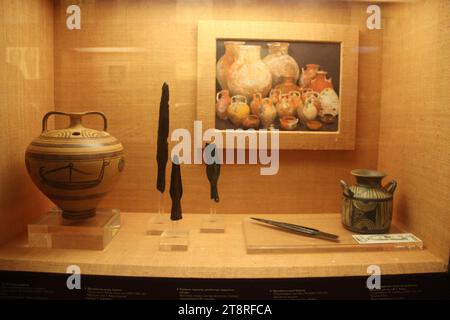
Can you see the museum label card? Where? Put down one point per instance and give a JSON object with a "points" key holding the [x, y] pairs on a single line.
{"points": [[385, 238]]}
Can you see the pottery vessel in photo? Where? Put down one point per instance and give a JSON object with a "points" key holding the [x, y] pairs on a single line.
{"points": [[275, 95], [310, 108], [75, 167], [251, 122], [280, 63], [367, 206], [223, 100], [320, 82], [224, 64], [314, 125], [304, 92], [329, 105], [256, 103], [285, 106], [288, 123], [296, 98], [267, 112], [249, 74], [287, 85], [308, 74], [238, 110]]}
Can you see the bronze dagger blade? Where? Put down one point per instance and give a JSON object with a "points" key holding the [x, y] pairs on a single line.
{"points": [[162, 151], [302, 230]]}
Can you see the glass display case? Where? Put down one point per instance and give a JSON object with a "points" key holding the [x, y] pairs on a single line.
{"points": [[224, 141]]}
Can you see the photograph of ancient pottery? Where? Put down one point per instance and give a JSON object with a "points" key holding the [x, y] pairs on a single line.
{"points": [[224, 64], [258, 70], [280, 63], [367, 205], [75, 167]]}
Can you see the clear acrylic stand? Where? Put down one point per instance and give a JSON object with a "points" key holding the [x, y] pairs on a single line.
{"points": [[265, 239], [95, 233], [174, 238], [213, 223], [157, 224]]}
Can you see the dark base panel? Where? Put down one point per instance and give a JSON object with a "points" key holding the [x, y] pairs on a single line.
{"points": [[29, 285]]}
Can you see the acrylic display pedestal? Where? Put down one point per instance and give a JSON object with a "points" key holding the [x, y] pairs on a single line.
{"points": [[174, 239], [157, 224], [213, 223], [52, 231], [262, 238], [221, 256]]}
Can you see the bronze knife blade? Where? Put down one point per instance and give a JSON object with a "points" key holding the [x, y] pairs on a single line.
{"points": [[302, 230]]}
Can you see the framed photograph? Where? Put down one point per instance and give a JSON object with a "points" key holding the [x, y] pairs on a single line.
{"points": [[299, 79]]}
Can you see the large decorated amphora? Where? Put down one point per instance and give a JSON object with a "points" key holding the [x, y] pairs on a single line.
{"points": [[75, 167]]}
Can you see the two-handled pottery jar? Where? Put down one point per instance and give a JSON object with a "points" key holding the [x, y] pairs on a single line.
{"points": [[296, 98], [367, 206], [308, 74], [275, 95], [75, 167], [267, 112], [238, 110], [285, 106], [308, 111], [320, 82], [256, 103]]}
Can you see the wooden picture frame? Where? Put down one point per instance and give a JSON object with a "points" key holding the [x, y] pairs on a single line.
{"points": [[346, 35]]}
